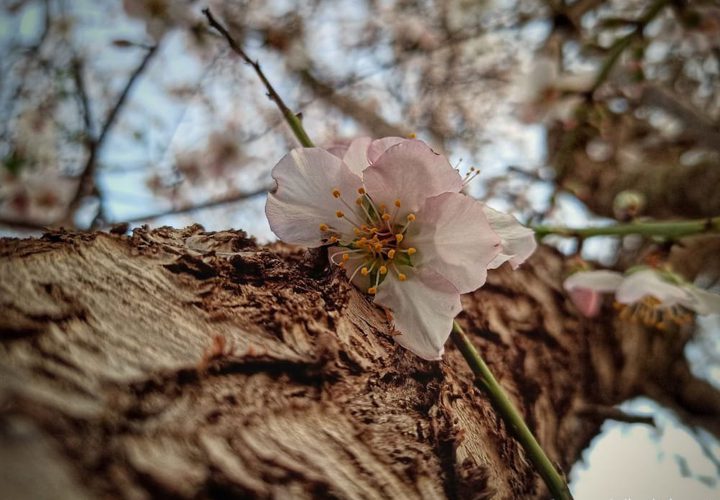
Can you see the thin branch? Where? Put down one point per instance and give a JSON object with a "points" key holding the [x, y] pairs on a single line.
{"points": [[292, 119], [612, 413], [233, 198], [671, 229], [86, 182], [624, 42]]}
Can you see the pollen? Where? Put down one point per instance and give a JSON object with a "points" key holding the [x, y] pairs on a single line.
{"points": [[382, 270], [333, 239], [399, 237], [402, 277], [339, 214], [336, 193], [364, 271], [372, 290], [324, 227], [397, 203], [411, 217], [345, 257], [361, 190], [386, 217], [391, 253], [411, 250]]}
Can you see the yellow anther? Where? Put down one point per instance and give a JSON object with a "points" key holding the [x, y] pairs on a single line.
{"points": [[397, 203], [411, 217], [402, 277], [382, 270], [364, 271], [382, 207], [333, 239], [412, 136], [399, 237], [391, 253], [324, 227], [372, 290], [361, 190], [378, 247], [339, 214], [345, 257], [411, 250], [386, 217], [336, 193], [341, 264]]}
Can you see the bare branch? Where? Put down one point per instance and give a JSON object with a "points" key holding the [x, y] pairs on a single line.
{"points": [[292, 119], [226, 200]]}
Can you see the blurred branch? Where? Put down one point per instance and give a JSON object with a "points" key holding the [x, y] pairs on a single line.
{"points": [[86, 182], [624, 42], [673, 229], [232, 198], [292, 119], [613, 413], [371, 120], [696, 124]]}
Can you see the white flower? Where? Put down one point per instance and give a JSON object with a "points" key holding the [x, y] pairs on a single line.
{"points": [[656, 298], [393, 217]]}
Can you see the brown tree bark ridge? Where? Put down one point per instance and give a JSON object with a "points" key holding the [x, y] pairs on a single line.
{"points": [[188, 364]]}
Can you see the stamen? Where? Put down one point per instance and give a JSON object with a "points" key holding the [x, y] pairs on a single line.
{"points": [[399, 237], [386, 217], [397, 203], [411, 217], [411, 250], [391, 253], [372, 290], [339, 214], [361, 190], [382, 270], [401, 277], [336, 193], [324, 227]]}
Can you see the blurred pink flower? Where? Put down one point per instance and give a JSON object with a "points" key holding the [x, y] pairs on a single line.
{"points": [[654, 297], [392, 214]]}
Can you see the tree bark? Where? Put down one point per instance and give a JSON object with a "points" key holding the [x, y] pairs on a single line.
{"points": [[186, 364]]}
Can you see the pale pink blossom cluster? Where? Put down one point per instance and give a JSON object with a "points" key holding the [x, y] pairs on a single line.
{"points": [[393, 216]]}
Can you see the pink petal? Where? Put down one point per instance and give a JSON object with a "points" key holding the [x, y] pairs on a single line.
{"points": [[454, 238], [423, 309], [379, 146], [702, 301], [587, 301], [410, 172], [518, 241], [306, 178], [356, 156], [596, 281], [649, 283]]}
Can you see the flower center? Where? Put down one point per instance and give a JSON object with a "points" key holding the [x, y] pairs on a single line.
{"points": [[651, 312], [377, 244]]}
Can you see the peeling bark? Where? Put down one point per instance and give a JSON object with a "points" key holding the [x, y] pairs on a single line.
{"points": [[180, 363]]}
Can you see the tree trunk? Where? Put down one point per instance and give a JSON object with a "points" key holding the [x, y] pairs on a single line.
{"points": [[180, 363]]}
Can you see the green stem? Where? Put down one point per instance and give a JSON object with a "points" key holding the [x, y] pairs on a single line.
{"points": [[674, 229], [554, 481]]}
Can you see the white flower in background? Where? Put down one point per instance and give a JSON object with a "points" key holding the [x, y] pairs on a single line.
{"points": [[546, 94], [654, 297], [393, 216]]}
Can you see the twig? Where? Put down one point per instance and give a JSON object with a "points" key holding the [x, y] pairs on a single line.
{"points": [[673, 229], [292, 119], [200, 206], [613, 413], [622, 43], [86, 182], [502, 404]]}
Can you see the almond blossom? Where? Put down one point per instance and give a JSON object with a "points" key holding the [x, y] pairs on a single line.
{"points": [[393, 217], [651, 296]]}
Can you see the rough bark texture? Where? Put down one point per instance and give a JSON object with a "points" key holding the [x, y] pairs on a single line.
{"points": [[179, 363]]}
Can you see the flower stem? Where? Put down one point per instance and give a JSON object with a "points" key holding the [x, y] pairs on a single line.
{"points": [[674, 229], [502, 404]]}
